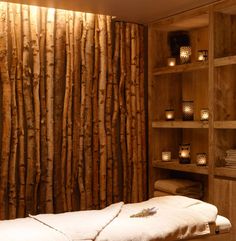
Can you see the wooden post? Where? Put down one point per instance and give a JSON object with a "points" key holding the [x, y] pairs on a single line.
{"points": [[115, 113], [6, 111], [14, 141], [29, 112], [49, 106], [59, 89], [108, 117], [88, 108], [101, 110], [36, 72]]}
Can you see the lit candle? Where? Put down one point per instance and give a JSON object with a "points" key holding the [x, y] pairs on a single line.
{"points": [[185, 53], [171, 61], [204, 115], [202, 55], [184, 153], [166, 156], [187, 108], [170, 114], [201, 159]]}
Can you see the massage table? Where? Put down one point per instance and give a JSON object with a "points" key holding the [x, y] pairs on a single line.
{"points": [[172, 218]]}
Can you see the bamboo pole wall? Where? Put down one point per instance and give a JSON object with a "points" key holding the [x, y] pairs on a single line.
{"points": [[72, 117]]}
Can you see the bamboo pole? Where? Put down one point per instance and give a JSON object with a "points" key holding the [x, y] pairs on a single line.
{"points": [[82, 110], [115, 113], [59, 86], [36, 72], [133, 115], [78, 25], [6, 111], [108, 117], [20, 104], [101, 110], [95, 121], [88, 108], [128, 108], [123, 110], [14, 141], [43, 129], [29, 112], [142, 111], [49, 106], [138, 118]]}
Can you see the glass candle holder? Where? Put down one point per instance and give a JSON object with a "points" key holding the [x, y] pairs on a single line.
{"points": [[202, 55], [184, 154], [201, 159], [185, 53], [166, 156], [204, 114], [171, 61], [187, 109], [170, 114]]}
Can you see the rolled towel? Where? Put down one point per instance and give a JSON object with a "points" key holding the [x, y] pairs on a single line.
{"points": [[179, 187]]}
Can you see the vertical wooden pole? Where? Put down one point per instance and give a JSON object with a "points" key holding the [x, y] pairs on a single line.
{"points": [[95, 121], [138, 118], [59, 86], [123, 110], [108, 118], [101, 110], [82, 110], [88, 108], [115, 114], [20, 104], [42, 94], [6, 111], [29, 112], [49, 106], [78, 25], [36, 72], [142, 112], [133, 114], [14, 142]]}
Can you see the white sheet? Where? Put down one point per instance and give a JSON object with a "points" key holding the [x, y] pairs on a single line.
{"points": [[176, 217]]}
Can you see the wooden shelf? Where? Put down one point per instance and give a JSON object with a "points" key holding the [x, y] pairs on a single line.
{"points": [[175, 165], [180, 124], [225, 124], [229, 60], [180, 68], [225, 172]]}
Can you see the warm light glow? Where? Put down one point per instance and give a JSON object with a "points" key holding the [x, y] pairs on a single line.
{"points": [[184, 153], [202, 55], [204, 114], [185, 53], [169, 114], [201, 159], [171, 61], [187, 108], [166, 156]]}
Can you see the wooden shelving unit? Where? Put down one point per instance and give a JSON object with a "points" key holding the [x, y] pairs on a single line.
{"points": [[180, 68], [175, 165], [180, 124], [209, 85]]}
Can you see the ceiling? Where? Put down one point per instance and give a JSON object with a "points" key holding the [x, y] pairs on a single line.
{"points": [[140, 11]]}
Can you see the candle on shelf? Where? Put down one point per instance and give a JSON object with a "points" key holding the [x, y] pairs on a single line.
{"points": [[204, 114], [171, 61], [166, 156], [201, 159], [184, 154], [202, 55], [187, 108], [170, 114], [185, 53]]}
